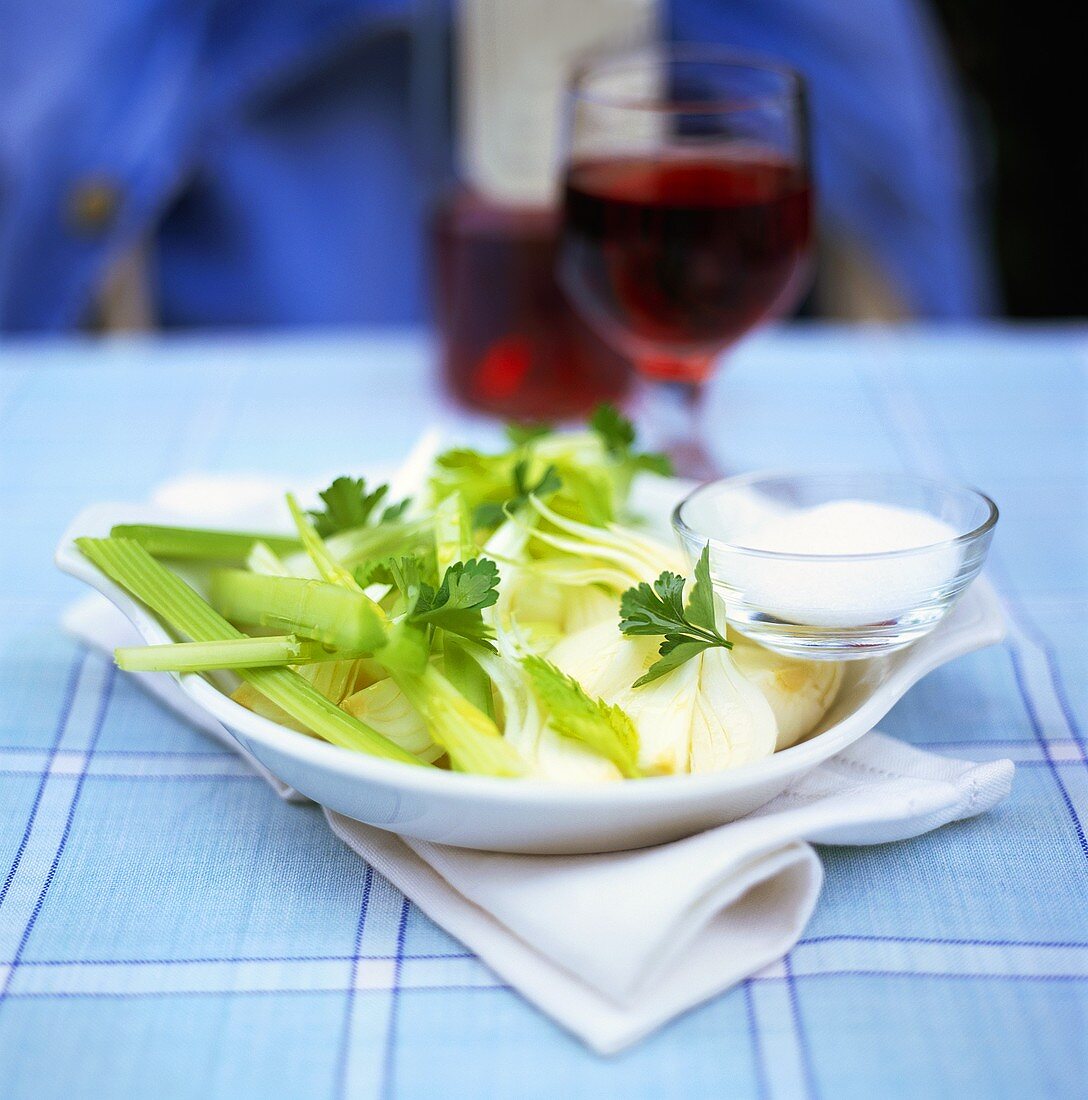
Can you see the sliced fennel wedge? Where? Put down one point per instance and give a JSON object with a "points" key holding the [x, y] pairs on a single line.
{"points": [[799, 692], [128, 564]]}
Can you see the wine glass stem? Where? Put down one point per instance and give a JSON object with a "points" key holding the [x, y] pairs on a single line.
{"points": [[674, 414]]}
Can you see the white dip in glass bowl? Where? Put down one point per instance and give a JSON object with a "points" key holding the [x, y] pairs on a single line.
{"points": [[837, 565]]}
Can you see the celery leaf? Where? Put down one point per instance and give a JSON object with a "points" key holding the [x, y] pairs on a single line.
{"points": [[606, 729]]}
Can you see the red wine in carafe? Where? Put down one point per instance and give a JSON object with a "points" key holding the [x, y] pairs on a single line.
{"points": [[510, 342]]}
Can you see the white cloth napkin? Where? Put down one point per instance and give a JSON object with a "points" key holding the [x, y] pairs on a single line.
{"points": [[612, 946]]}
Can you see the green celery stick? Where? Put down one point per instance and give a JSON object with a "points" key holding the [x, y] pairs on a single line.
{"points": [[194, 544], [233, 653], [129, 565], [262, 559], [466, 674], [471, 739], [453, 543], [452, 532], [330, 569], [468, 735], [362, 544], [325, 612]]}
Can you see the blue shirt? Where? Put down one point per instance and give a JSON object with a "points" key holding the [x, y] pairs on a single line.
{"points": [[279, 157]]}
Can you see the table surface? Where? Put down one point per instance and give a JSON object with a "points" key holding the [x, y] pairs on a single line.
{"points": [[170, 928]]}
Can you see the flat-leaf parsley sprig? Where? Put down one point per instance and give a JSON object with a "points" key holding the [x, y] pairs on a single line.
{"points": [[347, 504], [456, 605], [659, 610]]}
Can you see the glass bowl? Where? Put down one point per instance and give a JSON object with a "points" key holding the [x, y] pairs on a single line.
{"points": [[828, 604]]}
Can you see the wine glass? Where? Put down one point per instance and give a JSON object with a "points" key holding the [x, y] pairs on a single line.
{"points": [[686, 216]]}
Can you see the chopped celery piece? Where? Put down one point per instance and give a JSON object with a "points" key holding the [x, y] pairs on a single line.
{"points": [[191, 544], [230, 653], [454, 543], [250, 698], [363, 544], [327, 565], [325, 612], [471, 739], [263, 559], [405, 651], [128, 564], [452, 532], [466, 674]]}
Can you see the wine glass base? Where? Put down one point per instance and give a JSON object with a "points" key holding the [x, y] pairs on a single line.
{"points": [[691, 460], [672, 415]]}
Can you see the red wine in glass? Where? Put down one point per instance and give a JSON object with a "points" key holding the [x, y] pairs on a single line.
{"points": [[675, 255]]}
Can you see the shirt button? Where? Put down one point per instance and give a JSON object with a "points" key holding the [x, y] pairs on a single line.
{"points": [[92, 205]]}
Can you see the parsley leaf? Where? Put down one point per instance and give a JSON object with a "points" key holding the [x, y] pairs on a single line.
{"points": [[348, 504], [492, 513], [373, 572], [617, 433], [521, 434], [659, 611], [466, 586], [395, 511], [488, 514], [651, 462], [549, 482], [455, 606], [606, 729]]}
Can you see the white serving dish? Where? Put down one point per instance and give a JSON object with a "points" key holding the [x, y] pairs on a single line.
{"points": [[530, 815]]}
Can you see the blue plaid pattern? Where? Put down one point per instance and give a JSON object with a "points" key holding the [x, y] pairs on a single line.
{"points": [[168, 927]]}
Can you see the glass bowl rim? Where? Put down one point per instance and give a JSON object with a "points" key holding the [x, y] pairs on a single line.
{"points": [[688, 534], [792, 90]]}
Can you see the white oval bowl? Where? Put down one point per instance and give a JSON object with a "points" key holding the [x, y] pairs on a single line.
{"points": [[531, 815]]}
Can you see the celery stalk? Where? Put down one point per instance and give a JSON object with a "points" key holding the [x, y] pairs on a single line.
{"points": [[362, 544], [191, 544], [453, 543], [232, 653], [466, 674], [452, 532], [263, 559], [326, 612], [471, 739], [330, 569], [128, 564]]}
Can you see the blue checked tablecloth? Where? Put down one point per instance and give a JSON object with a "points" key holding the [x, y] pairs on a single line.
{"points": [[168, 927]]}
